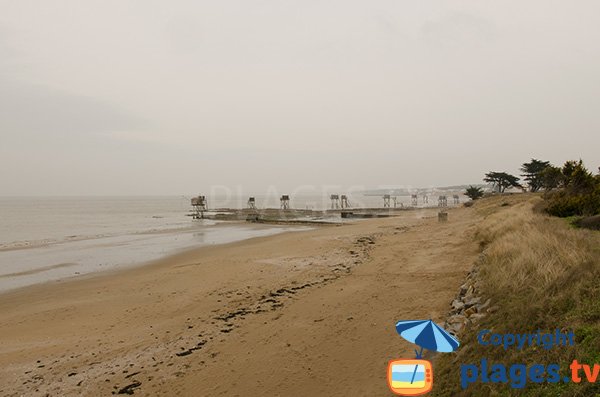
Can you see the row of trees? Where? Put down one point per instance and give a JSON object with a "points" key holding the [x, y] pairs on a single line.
{"points": [[537, 175], [569, 190]]}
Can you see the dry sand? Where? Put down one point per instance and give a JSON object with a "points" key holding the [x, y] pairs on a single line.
{"points": [[307, 313]]}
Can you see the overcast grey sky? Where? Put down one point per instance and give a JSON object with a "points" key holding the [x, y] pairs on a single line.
{"points": [[156, 97]]}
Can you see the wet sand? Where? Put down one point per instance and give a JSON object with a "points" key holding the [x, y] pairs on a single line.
{"points": [[45, 262], [307, 313]]}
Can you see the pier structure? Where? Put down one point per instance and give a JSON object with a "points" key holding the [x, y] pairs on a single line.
{"points": [[335, 201], [395, 200], [413, 200], [344, 201], [199, 206], [285, 202], [456, 199], [251, 203], [425, 199], [386, 200], [442, 201]]}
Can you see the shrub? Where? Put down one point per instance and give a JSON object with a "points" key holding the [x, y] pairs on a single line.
{"points": [[580, 195], [474, 192]]}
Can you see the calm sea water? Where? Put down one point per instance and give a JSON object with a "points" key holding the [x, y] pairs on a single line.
{"points": [[35, 221], [51, 238], [47, 239]]}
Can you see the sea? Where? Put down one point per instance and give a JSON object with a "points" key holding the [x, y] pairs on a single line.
{"points": [[47, 239]]}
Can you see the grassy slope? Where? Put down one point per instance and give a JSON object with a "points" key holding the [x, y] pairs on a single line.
{"points": [[542, 274]]}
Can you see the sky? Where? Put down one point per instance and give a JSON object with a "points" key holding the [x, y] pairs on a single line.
{"points": [[167, 98]]}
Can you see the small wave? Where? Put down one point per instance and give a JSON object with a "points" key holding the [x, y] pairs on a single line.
{"points": [[38, 270], [18, 245], [27, 244]]}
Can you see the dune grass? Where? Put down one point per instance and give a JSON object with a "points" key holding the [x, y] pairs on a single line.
{"points": [[541, 274]]}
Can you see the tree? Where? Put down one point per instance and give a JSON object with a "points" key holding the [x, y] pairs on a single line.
{"points": [[552, 177], [577, 178], [502, 180], [474, 192], [532, 173]]}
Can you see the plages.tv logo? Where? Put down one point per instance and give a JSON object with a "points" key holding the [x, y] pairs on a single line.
{"points": [[517, 375], [414, 377]]}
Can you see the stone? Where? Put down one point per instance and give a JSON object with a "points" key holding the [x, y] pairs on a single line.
{"points": [[470, 290], [458, 319], [470, 311], [476, 317], [468, 302], [457, 305], [455, 328]]}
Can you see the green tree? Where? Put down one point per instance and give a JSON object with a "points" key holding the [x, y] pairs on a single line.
{"points": [[552, 177], [568, 169], [580, 193], [532, 173], [502, 180], [577, 178], [474, 192]]}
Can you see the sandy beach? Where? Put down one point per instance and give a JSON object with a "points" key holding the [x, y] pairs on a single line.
{"points": [[296, 199], [300, 313]]}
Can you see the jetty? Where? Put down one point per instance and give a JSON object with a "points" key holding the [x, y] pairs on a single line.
{"points": [[340, 210]]}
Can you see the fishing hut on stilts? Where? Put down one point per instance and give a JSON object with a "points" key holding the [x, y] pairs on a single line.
{"points": [[199, 206]]}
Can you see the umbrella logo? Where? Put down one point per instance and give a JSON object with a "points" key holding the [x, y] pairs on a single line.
{"points": [[413, 377]]}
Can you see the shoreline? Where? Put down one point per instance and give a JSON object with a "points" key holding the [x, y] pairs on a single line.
{"points": [[283, 304], [124, 271], [26, 266]]}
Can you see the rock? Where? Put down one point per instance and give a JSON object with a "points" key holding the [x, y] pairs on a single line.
{"points": [[470, 291], [454, 329], [483, 306], [476, 317], [456, 323], [469, 302], [467, 307], [457, 305], [458, 318], [470, 311]]}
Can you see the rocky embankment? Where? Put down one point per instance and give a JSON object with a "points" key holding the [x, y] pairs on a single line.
{"points": [[468, 307]]}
